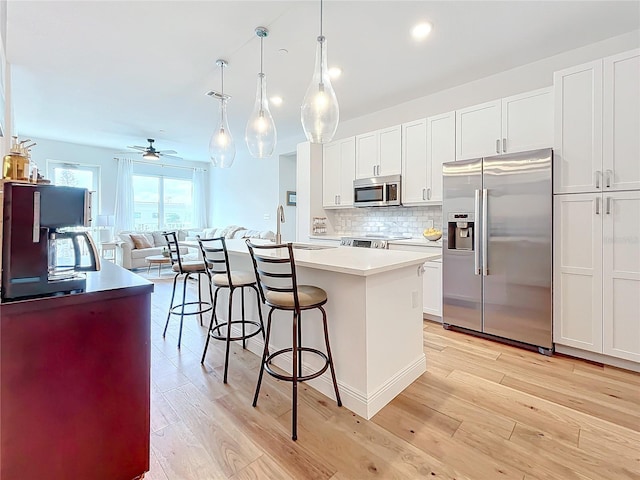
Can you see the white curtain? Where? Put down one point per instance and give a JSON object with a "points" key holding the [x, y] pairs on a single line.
{"points": [[124, 196], [199, 198]]}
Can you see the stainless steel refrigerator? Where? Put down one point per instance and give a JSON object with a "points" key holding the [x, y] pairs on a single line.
{"points": [[497, 246]]}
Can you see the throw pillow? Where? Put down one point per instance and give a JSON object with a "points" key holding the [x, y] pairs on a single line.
{"points": [[140, 241]]}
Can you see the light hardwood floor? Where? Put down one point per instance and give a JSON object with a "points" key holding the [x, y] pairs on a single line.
{"points": [[482, 411]]}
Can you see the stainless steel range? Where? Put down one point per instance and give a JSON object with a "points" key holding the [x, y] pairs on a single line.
{"points": [[369, 241]]}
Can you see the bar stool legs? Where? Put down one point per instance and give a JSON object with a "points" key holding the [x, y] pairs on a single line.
{"points": [[214, 331], [202, 307], [296, 376]]}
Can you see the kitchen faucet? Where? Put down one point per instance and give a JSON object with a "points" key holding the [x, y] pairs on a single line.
{"points": [[279, 220]]}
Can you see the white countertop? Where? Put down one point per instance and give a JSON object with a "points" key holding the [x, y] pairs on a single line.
{"points": [[420, 242], [353, 261]]}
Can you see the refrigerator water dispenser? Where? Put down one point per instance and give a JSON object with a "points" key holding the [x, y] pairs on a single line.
{"points": [[461, 231]]}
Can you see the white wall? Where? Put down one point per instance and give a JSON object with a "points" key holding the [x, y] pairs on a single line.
{"points": [[248, 191], [104, 159]]}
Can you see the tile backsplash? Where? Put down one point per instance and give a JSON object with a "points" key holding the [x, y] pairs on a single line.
{"points": [[408, 221]]}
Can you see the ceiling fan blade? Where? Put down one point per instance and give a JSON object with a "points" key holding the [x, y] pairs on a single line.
{"points": [[171, 156], [137, 147], [170, 152]]}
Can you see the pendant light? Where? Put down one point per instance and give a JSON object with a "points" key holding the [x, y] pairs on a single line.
{"points": [[319, 111], [260, 134], [222, 150]]}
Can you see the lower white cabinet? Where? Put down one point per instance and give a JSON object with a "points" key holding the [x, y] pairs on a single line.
{"points": [[597, 272], [432, 289], [431, 279]]}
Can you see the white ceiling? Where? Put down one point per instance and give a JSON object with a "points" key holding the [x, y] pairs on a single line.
{"points": [[112, 73]]}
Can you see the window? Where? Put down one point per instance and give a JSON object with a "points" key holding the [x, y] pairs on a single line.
{"points": [[81, 176], [162, 202]]}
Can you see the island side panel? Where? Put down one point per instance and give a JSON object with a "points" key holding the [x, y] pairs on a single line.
{"points": [[395, 352], [75, 389]]}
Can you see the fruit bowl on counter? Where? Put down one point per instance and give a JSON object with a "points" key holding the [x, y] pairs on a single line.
{"points": [[432, 234]]}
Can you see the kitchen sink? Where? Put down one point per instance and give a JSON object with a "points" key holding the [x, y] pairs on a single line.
{"points": [[309, 246]]}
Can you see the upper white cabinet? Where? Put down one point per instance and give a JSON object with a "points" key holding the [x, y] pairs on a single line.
{"points": [[621, 122], [379, 152], [597, 120], [338, 173], [441, 148], [597, 272], [426, 145], [509, 125], [414, 162]]}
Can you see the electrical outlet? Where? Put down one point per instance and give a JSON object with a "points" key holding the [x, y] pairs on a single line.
{"points": [[267, 216], [414, 299]]}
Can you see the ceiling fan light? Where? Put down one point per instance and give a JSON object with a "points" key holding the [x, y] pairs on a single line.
{"points": [[151, 156]]}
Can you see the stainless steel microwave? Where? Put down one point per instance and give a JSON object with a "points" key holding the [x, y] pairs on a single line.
{"points": [[377, 191]]}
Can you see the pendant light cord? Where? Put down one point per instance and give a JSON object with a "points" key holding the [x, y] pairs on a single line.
{"points": [[320, 17]]}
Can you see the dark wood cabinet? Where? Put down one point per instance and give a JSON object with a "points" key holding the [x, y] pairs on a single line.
{"points": [[74, 382]]}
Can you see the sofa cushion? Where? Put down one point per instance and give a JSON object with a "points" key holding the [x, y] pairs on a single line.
{"points": [[126, 238], [142, 240], [209, 233], [158, 239], [229, 231]]}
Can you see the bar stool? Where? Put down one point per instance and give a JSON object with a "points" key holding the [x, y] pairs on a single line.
{"points": [[279, 289], [187, 269], [214, 252]]}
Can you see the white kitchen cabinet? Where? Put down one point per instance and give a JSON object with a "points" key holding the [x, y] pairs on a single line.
{"points": [[426, 145], [338, 173], [508, 125], [379, 152], [441, 148], [621, 275], [621, 122], [597, 119], [597, 272], [414, 162], [432, 288]]}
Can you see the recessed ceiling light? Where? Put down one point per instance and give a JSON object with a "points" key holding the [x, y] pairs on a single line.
{"points": [[275, 100], [421, 31], [335, 72]]}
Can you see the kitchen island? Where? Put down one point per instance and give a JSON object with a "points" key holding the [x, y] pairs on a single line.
{"points": [[374, 313], [74, 381]]}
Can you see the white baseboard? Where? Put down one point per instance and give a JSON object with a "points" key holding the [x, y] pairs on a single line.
{"points": [[361, 403], [598, 357]]}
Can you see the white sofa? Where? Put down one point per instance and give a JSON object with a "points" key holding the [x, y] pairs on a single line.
{"points": [[131, 257]]}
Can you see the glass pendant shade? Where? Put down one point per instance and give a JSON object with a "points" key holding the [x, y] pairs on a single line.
{"points": [[222, 149], [260, 134], [320, 112]]}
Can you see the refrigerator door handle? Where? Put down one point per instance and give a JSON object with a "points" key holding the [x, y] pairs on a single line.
{"points": [[476, 238], [485, 232]]}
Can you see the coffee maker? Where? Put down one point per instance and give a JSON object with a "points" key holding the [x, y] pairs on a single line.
{"points": [[41, 256]]}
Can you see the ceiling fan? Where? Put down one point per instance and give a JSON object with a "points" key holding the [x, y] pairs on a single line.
{"points": [[150, 153]]}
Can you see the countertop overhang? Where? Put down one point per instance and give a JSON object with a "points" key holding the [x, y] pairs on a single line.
{"points": [[348, 260]]}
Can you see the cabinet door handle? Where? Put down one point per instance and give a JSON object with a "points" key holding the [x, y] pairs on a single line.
{"points": [[598, 176], [36, 217], [498, 145], [609, 175], [504, 145], [424, 191], [339, 199], [428, 194], [608, 211], [597, 205]]}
